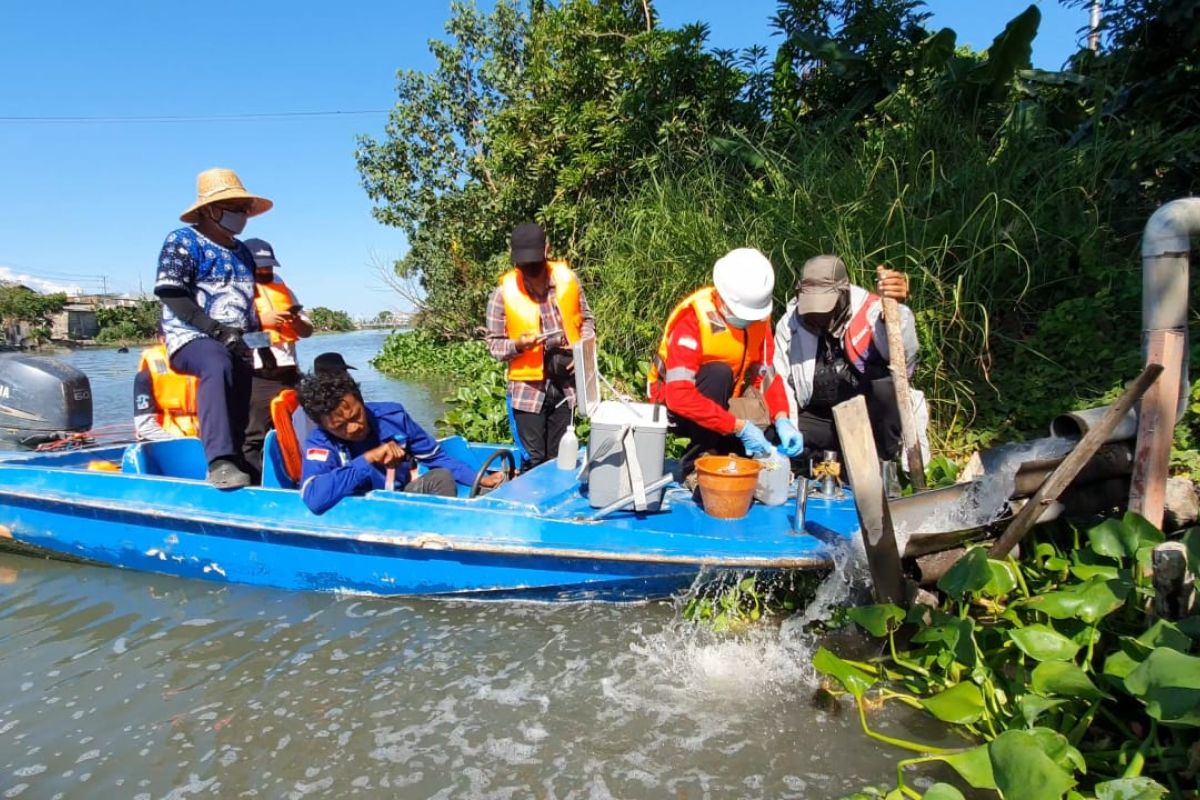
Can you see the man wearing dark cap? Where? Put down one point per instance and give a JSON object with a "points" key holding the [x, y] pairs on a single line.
{"points": [[275, 366], [330, 362], [831, 345], [534, 316]]}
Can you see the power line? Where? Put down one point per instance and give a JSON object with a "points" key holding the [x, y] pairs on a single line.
{"points": [[87, 120]]}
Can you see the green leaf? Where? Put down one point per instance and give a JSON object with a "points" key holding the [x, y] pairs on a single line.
{"points": [[974, 766], [1168, 682], [1066, 679], [1002, 581], [968, 575], [1166, 634], [961, 704], [1106, 539], [1138, 532], [1044, 643], [1034, 764], [942, 791], [1089, 601], [1191, 540], [877, 619], [1130, 789], [851, 677], [1033, 706]]}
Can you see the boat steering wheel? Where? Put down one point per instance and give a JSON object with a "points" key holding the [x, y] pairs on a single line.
{"points": [[507, 470]]}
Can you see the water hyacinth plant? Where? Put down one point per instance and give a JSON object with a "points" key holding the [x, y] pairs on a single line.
{"points": [[1053, 667]]}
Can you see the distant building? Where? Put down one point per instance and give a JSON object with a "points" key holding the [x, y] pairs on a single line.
{"points": [[75, 321]]}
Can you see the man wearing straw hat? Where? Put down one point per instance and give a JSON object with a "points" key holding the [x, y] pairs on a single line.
{"points": [[206, 283]]}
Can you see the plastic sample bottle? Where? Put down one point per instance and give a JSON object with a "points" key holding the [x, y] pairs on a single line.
{"points": [[568, 449]]}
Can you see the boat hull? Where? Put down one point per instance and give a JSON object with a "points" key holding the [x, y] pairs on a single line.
{"points": [[534, 542]]}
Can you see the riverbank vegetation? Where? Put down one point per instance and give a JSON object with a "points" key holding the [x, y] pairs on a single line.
{"points": [[1013, 197]]}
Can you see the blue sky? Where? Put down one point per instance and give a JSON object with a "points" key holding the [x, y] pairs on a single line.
{"points": [[87, 204]]}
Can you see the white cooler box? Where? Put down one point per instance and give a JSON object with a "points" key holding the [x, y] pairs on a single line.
{"points": [[623, 433], [627, 442]]}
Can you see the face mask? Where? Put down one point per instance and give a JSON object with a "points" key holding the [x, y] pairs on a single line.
{"points": [[738, 322], [232, 222], [532, 270], [264, 275]]}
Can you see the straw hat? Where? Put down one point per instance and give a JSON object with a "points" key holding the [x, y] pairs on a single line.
{"points": [[217, 184]]}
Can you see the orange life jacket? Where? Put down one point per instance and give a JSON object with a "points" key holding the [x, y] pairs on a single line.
{"points": [[174, 394], [743, 351], [283, 405], [275, 296], [522, 315]]}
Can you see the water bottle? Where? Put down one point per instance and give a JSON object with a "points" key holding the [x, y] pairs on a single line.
{"points": [[568, 449]]}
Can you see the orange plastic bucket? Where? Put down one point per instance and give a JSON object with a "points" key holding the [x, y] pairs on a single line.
{"points": [[727, 484]]}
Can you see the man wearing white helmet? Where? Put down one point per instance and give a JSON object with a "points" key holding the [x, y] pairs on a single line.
{"points": [[716, 342]]}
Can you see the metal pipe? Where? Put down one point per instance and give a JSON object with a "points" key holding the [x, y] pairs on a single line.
{"points": [[1166, 243], [1077, 423]]}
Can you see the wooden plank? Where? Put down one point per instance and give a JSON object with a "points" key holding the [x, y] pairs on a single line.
{"points": [[1156, 427], [898, 362], [862, 469], [1062, 476]]}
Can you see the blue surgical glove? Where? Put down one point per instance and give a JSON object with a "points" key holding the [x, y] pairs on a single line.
{"points": [[753, 440], [791, 441]]}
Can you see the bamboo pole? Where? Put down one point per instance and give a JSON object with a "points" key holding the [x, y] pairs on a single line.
{"points": [[898, 361], [1058, 480]]}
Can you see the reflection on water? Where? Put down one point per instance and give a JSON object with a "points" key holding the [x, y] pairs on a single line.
{"points": [[122, 684]]}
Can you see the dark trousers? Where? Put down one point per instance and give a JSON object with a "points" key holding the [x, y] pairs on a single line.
{"points": [[821, 434], [541, 432], [223, 396], [266, 384], [714, 381], [439, 481]]}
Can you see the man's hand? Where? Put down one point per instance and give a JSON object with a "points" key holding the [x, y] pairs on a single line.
{"points": [[231, 338], [492, 480], [891, 284], [388, 454], [525, 341], [273, 320]]}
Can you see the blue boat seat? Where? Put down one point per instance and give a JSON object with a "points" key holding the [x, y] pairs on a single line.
{"points": [[172, 458], [274, 473]]}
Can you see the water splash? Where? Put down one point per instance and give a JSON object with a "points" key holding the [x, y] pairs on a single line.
{"points": [[984, 499]]}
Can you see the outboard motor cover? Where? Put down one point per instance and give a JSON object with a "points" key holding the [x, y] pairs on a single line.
{"points": [[42, 399]]}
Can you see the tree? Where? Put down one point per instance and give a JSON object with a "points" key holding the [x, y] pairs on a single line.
{"points": [[326, 319], [548, 115], [121, 323], [22, 304]]}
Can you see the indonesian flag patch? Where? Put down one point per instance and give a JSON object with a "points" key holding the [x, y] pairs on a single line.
{"points": [[316, 454]]}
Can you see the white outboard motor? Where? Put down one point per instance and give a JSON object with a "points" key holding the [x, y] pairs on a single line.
{"points": [[41, 399]]}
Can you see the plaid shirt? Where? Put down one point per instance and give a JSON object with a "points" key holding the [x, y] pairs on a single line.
{"points": [[530, 395]]}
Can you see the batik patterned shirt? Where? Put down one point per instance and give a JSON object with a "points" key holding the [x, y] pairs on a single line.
{"points": [[219, 279]]}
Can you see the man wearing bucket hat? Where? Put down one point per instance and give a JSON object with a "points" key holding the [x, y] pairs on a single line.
{"points": [[831, 345], [533, 317], [205, 280], [275, 368], [716, 343]]}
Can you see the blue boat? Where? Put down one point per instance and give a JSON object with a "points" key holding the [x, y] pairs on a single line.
{"points": [[535, 537]]}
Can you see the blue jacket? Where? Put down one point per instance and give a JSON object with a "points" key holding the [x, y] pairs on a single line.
{"points": [[333, 469]]}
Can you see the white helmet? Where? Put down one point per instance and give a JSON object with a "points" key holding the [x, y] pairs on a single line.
{"points": [[745, 279]]}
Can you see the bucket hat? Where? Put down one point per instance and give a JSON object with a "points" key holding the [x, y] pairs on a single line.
{"points": [[217, 184], [822, 281]]}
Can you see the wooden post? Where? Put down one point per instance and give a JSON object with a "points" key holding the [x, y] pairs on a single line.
{"points": [[898, 361], [1062, 476], [1156, 427], [862, 468]]}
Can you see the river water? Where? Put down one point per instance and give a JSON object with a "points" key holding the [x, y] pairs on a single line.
{"points": [[128, 685]]}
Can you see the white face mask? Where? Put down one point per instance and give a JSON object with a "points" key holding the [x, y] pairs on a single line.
{"points": [[232, 222]]}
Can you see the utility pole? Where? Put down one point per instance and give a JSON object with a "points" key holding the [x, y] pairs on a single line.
{"points": [[1094, 29]]}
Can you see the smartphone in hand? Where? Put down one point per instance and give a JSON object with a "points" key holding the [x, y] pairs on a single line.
{"points": [[541, 337]]}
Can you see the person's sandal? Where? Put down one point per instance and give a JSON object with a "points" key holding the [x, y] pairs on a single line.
{"points": [[224, 474]]}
